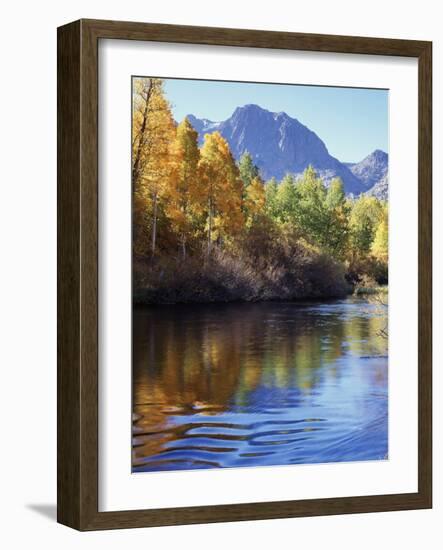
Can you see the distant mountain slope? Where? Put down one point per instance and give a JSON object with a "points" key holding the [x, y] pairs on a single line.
{"points": [[380, 189], [372, 171], [280, 144]]}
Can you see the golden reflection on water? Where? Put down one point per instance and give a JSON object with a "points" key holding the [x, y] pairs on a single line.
{"points": [[236, 365]]}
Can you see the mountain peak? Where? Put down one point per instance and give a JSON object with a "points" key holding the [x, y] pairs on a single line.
{"points": [[250, 107], [254, 109], [379, 155], [280, 144], [250, 110]]}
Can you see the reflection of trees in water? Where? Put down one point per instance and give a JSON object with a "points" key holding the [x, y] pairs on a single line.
{"points": [[207, 358], [195, 356]]}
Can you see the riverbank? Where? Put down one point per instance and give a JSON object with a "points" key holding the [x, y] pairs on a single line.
{"points": [[371, 290], [225, 278]]}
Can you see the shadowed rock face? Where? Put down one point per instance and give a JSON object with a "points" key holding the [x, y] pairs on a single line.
{"points": [[279, 145]]}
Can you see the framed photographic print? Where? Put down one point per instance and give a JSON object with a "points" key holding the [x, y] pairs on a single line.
{"points": [[244, 275]]}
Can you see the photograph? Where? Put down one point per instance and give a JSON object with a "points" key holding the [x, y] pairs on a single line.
{"points": [[259, 274]]}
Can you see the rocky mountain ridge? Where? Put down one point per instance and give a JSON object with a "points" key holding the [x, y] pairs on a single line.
{"points": [[280, 144]]}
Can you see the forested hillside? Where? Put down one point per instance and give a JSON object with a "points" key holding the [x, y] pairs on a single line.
{"points": [[209, 228]]}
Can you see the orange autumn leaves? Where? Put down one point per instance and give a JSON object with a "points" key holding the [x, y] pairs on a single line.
{"points": [[195, 196]]}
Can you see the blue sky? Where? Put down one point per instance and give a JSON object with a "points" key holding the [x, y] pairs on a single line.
{"points": [[352, 122]]}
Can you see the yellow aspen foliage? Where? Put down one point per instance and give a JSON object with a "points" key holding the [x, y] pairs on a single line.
{"points": [[223, 189], [153, 132], [255, 200], [185, 193], [363, 220], [380, 245]]}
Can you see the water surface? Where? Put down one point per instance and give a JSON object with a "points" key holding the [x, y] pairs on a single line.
{"points": [[258, 384]]}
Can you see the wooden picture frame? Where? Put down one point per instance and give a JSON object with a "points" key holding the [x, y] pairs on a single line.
{"points": [[78, 274]]}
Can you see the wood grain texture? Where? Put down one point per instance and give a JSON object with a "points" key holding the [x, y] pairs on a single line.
{"points": [[254, 38], [68, 275], [78, 270], [425, 272]]}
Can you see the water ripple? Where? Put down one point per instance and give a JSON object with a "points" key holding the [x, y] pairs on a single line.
{"points": [[258, 385]]}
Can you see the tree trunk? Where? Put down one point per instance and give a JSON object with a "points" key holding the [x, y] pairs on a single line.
{"points": [[209, 227], [154, 225], [183, 237]]}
